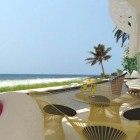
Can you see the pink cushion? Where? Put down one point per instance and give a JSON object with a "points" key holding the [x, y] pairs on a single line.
{"points": [[1, 108]]}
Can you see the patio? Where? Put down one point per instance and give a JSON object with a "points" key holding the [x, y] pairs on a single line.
{"points": [[83, 109], [67, 97]]}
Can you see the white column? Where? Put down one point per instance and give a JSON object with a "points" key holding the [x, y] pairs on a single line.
{"points": [[133, 40], [138, 42]]}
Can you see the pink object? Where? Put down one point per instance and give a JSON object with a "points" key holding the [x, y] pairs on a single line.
{"points": [[1, 108]]}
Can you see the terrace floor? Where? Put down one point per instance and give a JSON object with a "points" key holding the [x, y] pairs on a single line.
{"points": [[68, 98]]}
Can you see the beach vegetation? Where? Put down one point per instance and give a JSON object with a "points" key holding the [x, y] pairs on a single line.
{"points": [[114, 74], [105, 75], [117, 73], [40, 85], [130, 63], [99, 54]]}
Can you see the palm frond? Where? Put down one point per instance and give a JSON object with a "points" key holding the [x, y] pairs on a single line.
{"points": [[119, 34], [107, 57], [115, 29], [124, 38], [89, 59], [94, 54]]}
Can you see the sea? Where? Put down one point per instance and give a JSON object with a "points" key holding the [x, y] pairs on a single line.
{"points": [[22, 79], [39, 76]]}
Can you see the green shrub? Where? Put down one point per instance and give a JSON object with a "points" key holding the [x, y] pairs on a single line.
{"points": [[105, 75], [114, 74], [130, 63]]}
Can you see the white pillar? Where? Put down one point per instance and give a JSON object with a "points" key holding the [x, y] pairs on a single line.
{"points": [[133, 32], [138, 42]]}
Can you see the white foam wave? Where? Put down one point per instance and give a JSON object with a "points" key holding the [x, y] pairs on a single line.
{"points": [[6, 83]]}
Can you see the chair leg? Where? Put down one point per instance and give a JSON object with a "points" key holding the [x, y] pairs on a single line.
{"points": [[53, 128], [106, 114]]}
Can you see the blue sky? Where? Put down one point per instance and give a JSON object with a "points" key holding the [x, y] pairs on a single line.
{"points": [[54, 36]]}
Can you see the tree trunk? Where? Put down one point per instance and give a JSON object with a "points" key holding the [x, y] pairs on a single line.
{"points": [[102, 68]]}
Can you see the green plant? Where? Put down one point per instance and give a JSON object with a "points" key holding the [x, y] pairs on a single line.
{"points": [[119, 72], [114, 74], [130, 63], [105, 75]]}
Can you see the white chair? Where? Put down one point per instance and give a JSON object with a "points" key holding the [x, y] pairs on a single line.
{"points": [[21, 118], [135, 74], [135, 83], [134, 80]]}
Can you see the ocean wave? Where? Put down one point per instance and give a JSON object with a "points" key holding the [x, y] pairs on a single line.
{"points": [[5, 83]]}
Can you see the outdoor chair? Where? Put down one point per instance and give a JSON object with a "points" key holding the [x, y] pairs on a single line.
{"points": [[52, 123], [135, 75], [53, 111], [135, 83], [117, 83], [21, 118], [92, 130]]}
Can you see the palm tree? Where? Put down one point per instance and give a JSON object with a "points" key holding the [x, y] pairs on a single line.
{"points": [[100, 54]]}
